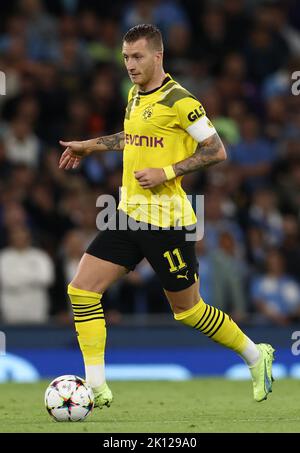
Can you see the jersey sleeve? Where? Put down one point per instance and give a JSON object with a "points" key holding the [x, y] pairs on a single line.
{"points": [[192, 118]]}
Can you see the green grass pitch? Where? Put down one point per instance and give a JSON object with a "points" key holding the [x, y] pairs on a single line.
{"points": [[202, 405]]}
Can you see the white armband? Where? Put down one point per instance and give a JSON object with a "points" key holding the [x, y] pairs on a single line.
{"points": [[202, 129]]}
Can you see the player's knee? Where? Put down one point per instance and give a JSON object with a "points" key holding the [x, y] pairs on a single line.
{"points": [[85, 284], [184, 308], [181, 308], [76, 286]]}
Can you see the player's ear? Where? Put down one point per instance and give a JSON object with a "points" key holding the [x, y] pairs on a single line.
{"points": [[159, 56]]}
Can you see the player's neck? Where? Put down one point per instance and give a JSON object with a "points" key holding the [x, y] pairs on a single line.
{"points": [[154, 83]]}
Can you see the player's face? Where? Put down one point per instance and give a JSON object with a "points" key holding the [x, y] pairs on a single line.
{"points": [[141, 61]]}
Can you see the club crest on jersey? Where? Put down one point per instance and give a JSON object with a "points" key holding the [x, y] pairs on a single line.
{"points": [[147, 113]]}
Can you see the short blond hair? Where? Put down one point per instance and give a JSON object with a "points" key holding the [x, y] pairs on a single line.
{"points": [[148, 31]]}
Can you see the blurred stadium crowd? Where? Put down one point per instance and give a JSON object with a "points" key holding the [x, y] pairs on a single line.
{"points": [[66, 80]]}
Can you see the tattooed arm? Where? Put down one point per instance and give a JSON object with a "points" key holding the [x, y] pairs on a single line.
{"points": [[208, 152], [110, 142], [75, 150]]}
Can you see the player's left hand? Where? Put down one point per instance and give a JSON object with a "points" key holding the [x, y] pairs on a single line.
{"points": [[150, 177]]}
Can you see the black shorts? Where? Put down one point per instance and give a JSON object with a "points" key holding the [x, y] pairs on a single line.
{"points": [[172, 257]]}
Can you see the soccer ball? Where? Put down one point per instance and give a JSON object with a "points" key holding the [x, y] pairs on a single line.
{"points": [[69, 398]]}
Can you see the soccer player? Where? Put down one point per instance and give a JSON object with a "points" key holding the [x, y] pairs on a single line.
{"points": [[166, 135]]}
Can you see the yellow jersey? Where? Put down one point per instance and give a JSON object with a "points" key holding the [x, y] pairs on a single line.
{"points": [[155, 136]]}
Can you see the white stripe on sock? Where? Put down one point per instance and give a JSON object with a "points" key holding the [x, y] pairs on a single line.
{"points": [[95, 375], [251, 353]]}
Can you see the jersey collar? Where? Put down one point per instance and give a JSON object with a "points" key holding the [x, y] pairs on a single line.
{"points": [[166, 80]]}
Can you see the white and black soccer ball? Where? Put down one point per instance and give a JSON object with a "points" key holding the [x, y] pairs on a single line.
{"points": [[69, 398]]}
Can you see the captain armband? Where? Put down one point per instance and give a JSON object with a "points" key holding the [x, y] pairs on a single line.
{"points": [[202, 129]]}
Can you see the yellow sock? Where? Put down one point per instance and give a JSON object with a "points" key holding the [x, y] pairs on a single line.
{"points": [[89, 323], [214, 323]]}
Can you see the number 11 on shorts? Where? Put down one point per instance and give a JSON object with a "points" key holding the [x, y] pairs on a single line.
{"points": [[173, 258]]}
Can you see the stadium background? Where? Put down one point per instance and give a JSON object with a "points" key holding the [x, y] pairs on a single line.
{"points": [[65, 80]]}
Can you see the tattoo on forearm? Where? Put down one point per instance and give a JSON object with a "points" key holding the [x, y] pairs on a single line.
{"points": [[113, 142], [206, 154]]}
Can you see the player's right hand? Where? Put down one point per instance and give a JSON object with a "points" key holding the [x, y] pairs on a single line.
{"points": [[74, 152]]}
